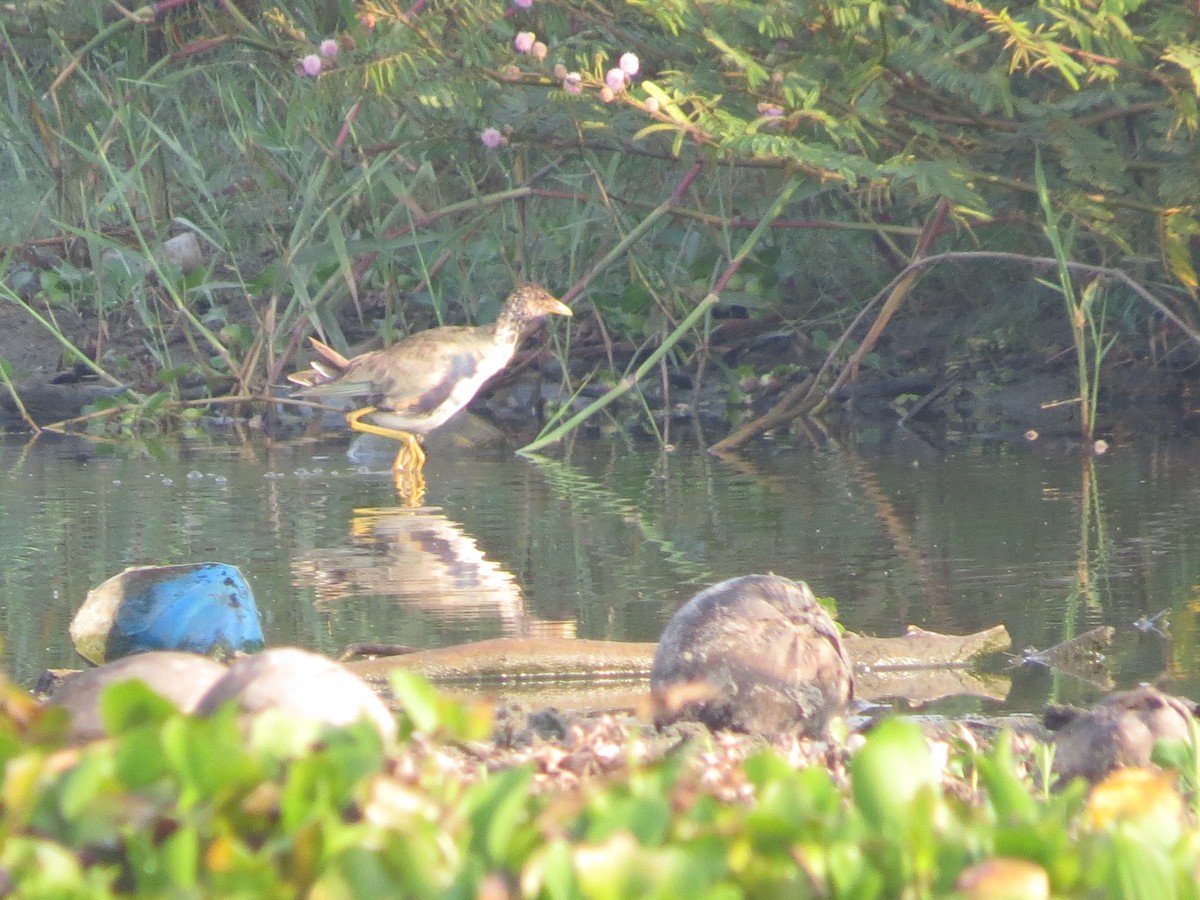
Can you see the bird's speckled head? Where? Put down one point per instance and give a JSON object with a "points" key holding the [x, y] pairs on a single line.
{"points": [[532, 301]]}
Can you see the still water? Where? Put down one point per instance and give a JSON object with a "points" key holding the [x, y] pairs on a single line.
{"points": [[604, 542]]}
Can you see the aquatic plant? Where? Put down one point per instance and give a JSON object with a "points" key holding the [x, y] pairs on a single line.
{"points": [[175, 803]]}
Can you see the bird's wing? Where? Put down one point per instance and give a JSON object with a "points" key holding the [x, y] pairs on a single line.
{"points": [[423, 377], [415, 375]]}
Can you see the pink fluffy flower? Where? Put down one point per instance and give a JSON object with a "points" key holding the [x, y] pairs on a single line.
{"points": [[573, 83], [329, 48], [311, 65], [629, 64], [491, 138], [772, 113], [524, 41], [615, 79], [522, 4]]}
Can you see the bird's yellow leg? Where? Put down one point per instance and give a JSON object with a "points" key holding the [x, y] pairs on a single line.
{"points": [[411, 454], [354, 420]]}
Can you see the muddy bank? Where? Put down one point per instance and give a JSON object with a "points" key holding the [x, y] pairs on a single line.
{"points": [[931, 373]]}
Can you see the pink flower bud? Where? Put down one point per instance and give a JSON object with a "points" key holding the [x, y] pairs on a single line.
{"points": [[329, 48], [539, 51], [311, 65], [560, 71], [573, 83], [522, 4], [607, 94], [650, 105], [524, 41], [629, 64], [615, 79], [491, 138]]}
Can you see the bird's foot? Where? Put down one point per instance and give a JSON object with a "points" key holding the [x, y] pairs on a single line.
{"points": [[411, 456], [410, 487]]}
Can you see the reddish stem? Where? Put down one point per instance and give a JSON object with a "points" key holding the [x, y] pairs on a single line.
{"points": [[344, 132], [165, 6]]}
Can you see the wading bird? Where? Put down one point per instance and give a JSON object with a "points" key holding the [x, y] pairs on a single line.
{"points": [[417, 384]]}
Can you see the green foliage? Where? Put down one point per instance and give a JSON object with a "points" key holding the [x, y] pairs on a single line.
{"points": [[891, 772], [177, 804], [1087, 328], [426, 711], [364, 195]]}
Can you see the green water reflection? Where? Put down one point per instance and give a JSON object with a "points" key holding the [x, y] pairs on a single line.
{"points": [[600, 542]]}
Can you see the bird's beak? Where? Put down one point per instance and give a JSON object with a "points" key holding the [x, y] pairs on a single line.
{"points": [[560, 309]]}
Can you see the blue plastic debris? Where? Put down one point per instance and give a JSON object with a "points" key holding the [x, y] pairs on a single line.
{"points": [[199, 607]]}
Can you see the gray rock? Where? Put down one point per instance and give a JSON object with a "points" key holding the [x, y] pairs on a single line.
{"points": [[306, 685], [182, 678], [756, 654]]}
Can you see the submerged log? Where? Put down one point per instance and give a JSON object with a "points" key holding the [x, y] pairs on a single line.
{"points": [[1082, 650], [913, 687], [581, 674], [517, 659], [918, 648], [1081, 656], [919, 685]]}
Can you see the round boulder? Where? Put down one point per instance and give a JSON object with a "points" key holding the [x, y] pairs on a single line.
{"points": [[755, 654], [182, 678], [301, 684], [199, 607]]}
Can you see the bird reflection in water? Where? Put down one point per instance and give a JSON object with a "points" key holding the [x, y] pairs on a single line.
{"points": [[423, 559]]}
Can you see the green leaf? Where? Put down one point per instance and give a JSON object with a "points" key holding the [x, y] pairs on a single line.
{"points": [[496, 809], [209, 756], [652, 129], [429, 711], [666, 103], [1008, 794], [647, 818], [553, 869], [418, 698], [1139, 870], [890, 771], [130, 704], [44, 869]]}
